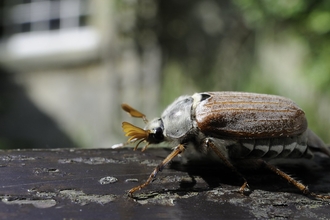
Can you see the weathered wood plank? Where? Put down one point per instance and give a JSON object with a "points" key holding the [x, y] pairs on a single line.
{"points": [[65, 183]]}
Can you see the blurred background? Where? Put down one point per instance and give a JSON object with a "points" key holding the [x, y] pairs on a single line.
{"points": [[67, 65]]}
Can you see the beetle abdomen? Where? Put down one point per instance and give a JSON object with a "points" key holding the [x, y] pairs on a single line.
{"points": [[240, 115], [286, 147]]}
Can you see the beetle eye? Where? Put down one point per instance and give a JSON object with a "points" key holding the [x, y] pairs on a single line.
{"points": [[159, 133], [157, 136]]}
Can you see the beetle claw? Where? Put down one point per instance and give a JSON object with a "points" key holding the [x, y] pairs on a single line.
{"points": [[242, 189]]}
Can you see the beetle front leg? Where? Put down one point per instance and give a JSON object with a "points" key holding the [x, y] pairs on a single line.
{"points": [[210, 144], [177, 150]]}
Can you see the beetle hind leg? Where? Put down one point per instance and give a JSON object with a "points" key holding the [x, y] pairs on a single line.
{"points": [[212, 146], [304, 189]]}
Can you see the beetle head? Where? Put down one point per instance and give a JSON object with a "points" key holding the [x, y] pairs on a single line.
{"points": [[152, 133]]}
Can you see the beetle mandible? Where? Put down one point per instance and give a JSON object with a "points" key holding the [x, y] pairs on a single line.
{"points": [[231, 126]]}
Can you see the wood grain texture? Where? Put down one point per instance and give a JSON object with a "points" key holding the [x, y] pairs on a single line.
{"points": [[65, 184], [242, 115]]}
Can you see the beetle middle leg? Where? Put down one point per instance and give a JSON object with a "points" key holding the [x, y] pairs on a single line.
{"points": [[211, 145]]}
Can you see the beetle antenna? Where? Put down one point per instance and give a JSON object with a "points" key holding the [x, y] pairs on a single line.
{"points": [[135, 134], [134, 113]]}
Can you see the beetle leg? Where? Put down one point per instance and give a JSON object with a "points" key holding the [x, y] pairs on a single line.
{"points": [[300, 186], [228, 164], [177, 150]]}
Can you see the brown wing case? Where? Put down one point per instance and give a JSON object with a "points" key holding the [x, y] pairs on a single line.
{"points": [[249, 116]]}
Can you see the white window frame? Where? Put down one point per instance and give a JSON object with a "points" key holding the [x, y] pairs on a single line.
{"points": [[42, 46]]}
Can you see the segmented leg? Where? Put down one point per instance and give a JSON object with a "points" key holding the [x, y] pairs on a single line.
{"points": [[178, 150], [227, 163], [300, 186]]}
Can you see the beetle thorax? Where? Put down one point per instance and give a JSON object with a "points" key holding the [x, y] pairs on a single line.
{"points": [[177, 118]]}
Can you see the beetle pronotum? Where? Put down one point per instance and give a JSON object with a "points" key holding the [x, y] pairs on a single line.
{"points": [[231, 126]]}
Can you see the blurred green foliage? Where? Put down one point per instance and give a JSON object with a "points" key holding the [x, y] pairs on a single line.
{"points": [[279, 47], [310, 22]]}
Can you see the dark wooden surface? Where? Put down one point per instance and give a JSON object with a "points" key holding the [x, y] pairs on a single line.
{"points": [[92, 184]]}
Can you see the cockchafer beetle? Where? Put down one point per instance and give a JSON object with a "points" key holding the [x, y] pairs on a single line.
{"points": [[231, 126]]}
